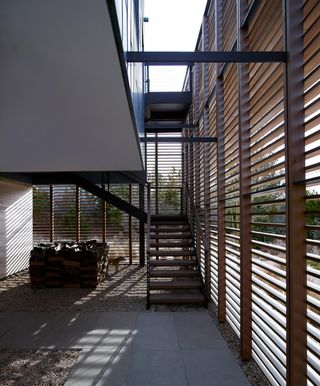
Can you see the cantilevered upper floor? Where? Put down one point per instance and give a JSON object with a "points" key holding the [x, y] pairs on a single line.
{"points": [[65, 99]]}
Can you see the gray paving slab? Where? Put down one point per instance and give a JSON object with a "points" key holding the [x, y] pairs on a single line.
{"points": [[156, 368], [212, 367], [156, 331], [111, 330], [117, 320], [197, 330], [28, 330], [7, 321], [100, 367], [129, 348], [73, 330]]}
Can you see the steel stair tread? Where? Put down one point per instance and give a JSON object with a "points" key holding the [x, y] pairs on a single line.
{"points": [[172, 253], [172, 245], [176, 298], [168, 223], [173, 262], [175, 284], [170, 230], [164, 217], [171, 236], [173, 273]]}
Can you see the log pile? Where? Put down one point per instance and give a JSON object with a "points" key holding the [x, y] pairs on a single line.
{"points": [[68, 265]]}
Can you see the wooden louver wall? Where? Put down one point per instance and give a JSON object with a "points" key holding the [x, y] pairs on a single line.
{"points": [[69, 213], [252, 182]]}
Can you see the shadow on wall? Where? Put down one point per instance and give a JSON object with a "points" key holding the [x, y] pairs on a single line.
{"points": [[18, 235]]}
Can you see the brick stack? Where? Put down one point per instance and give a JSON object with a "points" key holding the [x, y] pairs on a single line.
{"points": [[68, 265]]}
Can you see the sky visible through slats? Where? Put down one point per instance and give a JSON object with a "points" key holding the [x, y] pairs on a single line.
{"points": [[173, 25]]}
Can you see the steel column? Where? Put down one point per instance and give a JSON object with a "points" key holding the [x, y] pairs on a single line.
{"points": [[220, 179], [130, 226], [245, 199], [77, 213], [104, 215], [141, 228], [51, 214], [156, 171], [295, 220]]}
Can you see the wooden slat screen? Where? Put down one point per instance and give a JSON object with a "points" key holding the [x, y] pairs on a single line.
{"points": [[92, 217], [65, 213], [229, 24], [311, 27], [231, 197], [269, 183], [73, 214], [165, 158], [41, 214], [118, 224], [213, 204]]}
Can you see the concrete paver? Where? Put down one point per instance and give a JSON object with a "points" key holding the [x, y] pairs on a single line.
{"points": [[130, 348]]}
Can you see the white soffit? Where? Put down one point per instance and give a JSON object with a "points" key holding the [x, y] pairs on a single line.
{"points": [[63, 105]]}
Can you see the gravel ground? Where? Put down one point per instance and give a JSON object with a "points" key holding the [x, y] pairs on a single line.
{"points": [[36, 367], [250, 368], [121, 291]]}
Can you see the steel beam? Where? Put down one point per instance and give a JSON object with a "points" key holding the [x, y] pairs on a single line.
{"points": [[180, 140], [295, 195], [186, 58], [167, 127], [168, 97]]}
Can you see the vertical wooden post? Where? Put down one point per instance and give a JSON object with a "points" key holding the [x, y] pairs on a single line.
{"points": [[130, 227], [220, 172], [245, 199], [295, 193], [206, 133], [196, 152]]}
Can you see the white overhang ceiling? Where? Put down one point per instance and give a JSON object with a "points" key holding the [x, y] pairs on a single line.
{"points": [[63, 105]]}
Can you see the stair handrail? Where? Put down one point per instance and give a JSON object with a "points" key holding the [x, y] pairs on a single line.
{"points": [[197, 218], [195, 213], [148, 241]]}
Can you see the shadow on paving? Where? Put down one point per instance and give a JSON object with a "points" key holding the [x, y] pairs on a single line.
{"points": [[130, 348]]}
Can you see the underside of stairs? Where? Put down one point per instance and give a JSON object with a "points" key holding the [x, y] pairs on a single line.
{"points": [[173, 271]]}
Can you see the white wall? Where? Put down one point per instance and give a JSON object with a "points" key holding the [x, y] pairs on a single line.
{"points": [[63, 105], [15, 226]]}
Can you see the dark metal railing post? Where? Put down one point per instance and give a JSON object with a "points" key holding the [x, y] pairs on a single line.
{"points": [[197, 231], [148, 243], [141, 228]]}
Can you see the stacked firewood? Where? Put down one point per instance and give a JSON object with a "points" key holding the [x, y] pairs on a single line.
{"points": [[68, 265]]}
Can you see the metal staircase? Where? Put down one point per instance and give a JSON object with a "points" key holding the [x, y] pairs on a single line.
{"points": [[173, 268]]}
